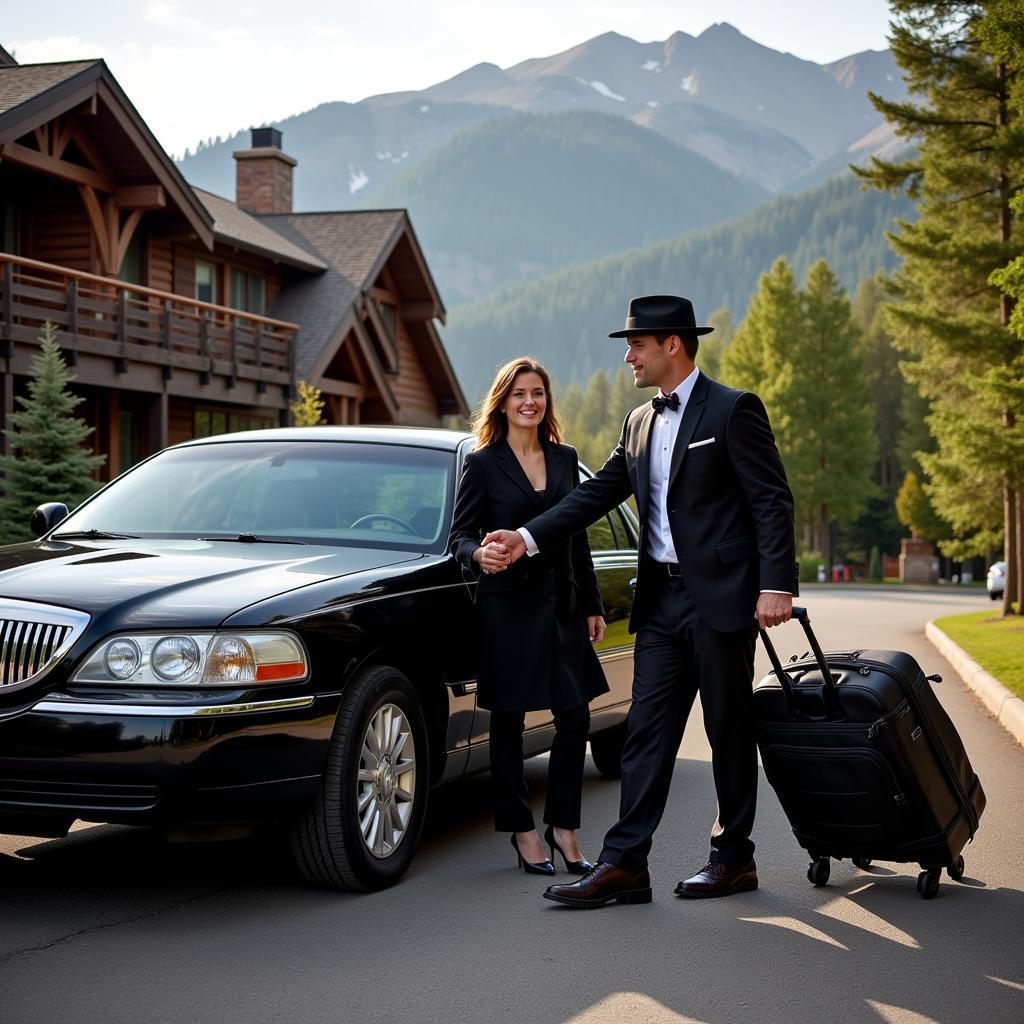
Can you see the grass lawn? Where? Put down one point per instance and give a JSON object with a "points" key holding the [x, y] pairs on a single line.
{"points": [[994, 642]]}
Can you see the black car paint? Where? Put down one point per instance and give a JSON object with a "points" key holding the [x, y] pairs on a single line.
{"points": [[62, 757]]}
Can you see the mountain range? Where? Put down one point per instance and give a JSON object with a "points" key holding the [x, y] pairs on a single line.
{"points": [[546, 193], [564, 319], [749, 109]]}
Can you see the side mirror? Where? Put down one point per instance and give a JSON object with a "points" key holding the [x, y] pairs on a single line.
{"points": [[47, 516]]}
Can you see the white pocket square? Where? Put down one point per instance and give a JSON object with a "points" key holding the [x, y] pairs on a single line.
{"points": [[698, 444]]}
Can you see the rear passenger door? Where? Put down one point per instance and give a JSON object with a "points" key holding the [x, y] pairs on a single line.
{"points": [[613, 547]]}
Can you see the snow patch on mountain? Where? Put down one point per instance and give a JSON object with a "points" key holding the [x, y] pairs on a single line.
{"points": [[603, 90], [687, 83], [652, 65]]}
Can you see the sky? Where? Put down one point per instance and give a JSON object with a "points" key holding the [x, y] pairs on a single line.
{"points": [[200, 70]]}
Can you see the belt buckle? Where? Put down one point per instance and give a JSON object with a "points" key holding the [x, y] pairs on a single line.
{"points": [[673, 569]]}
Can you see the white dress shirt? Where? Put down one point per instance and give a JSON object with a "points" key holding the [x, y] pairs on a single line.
{"points": [[660, 545]]}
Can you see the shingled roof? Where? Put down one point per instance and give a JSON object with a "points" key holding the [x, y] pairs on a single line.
{"points": [[20, 83], [353, 244], [234, 225]]}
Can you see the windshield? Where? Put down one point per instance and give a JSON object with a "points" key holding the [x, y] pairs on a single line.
{"points": [[361, 495]]}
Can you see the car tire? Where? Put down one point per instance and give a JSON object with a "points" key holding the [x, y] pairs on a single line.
{"points": [[374, 781], [606, 750]]}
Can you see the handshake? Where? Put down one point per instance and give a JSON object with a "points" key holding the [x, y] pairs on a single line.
{"points": [[499, 549]]}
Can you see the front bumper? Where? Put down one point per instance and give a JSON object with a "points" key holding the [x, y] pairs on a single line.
{"points": [[210, 761]]}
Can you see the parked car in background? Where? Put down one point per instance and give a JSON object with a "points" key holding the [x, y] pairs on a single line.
{"points": [[996, 580], [265, 627]]}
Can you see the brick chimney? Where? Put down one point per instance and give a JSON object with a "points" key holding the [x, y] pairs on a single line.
{"points": [[263, 174]]}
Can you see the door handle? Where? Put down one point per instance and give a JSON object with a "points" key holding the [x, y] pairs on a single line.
{"points": [[632, 583]]}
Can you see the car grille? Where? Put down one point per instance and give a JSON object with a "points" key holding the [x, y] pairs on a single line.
{"points": [[33, 637]]}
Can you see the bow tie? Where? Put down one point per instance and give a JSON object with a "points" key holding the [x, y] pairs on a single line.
{"points": [[661, 404]]}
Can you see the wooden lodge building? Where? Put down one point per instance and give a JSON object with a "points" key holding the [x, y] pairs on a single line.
{"points": [[185, 314]]}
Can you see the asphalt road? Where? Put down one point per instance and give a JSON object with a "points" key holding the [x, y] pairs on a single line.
{"points": [[112, 924]]}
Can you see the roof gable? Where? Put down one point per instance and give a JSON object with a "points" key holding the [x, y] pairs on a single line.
{"points": [[32, 95]]}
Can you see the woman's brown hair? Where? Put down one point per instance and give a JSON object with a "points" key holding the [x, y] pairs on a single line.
{"points": [[489, 423]]}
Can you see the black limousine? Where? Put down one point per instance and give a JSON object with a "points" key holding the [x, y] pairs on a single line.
{"points": [[264, 627]]}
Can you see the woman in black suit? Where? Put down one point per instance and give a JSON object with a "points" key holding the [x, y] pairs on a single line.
{"points": [[538, 618]]}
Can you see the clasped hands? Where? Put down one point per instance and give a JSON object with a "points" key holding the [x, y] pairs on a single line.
{"points": [[500, 548]]}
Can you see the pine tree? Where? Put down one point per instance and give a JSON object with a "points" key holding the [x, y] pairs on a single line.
{"points": [[308, 407], [960, 61], [916, 511], [49, 461], [825, 424], [709, 354], [759, 346]]}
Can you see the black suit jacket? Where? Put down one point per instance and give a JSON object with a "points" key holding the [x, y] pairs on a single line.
{"points": [[730, 507], [531, 617]]}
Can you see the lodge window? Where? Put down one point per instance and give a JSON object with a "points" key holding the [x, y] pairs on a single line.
{"points": [[131, 265], [10, 228], [206, 281], [208, 422], [389, 314], [248, 292]]}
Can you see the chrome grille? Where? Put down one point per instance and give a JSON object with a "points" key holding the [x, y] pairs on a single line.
{"points": [[33, 637]]}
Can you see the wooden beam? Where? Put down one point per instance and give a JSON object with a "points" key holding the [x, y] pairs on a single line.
{"points": [[418, 311], [15, 153], [345, 388], [140, 197], [61, 138], [89, 149], [127, 230], [98, 221]]}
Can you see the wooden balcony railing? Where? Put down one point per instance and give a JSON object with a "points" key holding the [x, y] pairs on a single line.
{"points": [[130, 323]]}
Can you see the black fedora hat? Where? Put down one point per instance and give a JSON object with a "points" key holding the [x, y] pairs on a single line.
{"points": [[660, 314]]}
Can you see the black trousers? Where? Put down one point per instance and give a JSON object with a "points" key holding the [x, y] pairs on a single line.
{"points": [[677, 656], [512, 809]]}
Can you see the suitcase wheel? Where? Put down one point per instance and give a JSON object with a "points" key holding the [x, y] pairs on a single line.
{"points": [[956, 869], [818, 871], [862, 862], [928, 883]]}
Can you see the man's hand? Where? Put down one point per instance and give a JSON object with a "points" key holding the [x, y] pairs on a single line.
{"points": [[595, 628], [506, 543], [774, 609], [491, 557]]}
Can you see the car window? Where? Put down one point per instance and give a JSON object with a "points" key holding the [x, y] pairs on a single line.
{"points": [[602, 536], [369, 495]]}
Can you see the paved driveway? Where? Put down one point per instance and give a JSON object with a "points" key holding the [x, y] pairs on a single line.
{"points": [[113, 925]]}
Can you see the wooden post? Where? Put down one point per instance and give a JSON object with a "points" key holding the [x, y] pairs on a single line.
{"points": [[159, 415], [121, 363], [113, 466], [233, 340], [6, 406], [204, 347], [261, 384], [7, 316]]}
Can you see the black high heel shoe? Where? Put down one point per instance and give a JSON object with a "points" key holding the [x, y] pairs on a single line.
{"points": [[574, 867], [545, 867]]}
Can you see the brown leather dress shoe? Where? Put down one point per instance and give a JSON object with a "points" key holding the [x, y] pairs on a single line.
{"points": [[603, 884], [719, 880]]}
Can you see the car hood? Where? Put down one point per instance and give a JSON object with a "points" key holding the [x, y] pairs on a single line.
{"points": [[139, 583]]}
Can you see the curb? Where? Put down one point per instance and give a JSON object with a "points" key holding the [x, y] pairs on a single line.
{"points": [[1007, 709]]}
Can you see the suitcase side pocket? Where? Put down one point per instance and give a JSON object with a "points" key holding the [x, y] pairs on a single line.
{"points": [[846, 796]]}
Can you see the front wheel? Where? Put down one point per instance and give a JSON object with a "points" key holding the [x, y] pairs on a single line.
{"points": [[606, 750], [361, 831]]}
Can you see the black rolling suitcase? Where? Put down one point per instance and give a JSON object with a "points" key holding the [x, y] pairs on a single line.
{"points": [[865, 761]]}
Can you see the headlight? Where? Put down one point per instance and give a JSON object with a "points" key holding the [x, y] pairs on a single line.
{"points": [[196, 659]]}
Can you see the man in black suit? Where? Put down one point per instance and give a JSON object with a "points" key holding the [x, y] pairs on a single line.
{"points": [[716, 550]]}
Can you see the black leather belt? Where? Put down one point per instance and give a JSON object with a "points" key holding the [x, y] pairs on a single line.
{"points": [[672, 569]]}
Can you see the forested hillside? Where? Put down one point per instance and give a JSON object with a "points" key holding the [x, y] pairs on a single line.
{"points": [[563, 319], [529, 194]]}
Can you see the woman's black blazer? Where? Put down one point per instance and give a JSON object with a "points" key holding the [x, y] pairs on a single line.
{"points": [[534, 651]]}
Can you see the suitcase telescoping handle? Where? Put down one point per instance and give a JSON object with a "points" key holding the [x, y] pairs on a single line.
{"points": [[830, 695]]}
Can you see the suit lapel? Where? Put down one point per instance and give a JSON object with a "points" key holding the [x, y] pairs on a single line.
{"points": [[514, 471], [691, 417], [555, 466], [642, 455]]}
